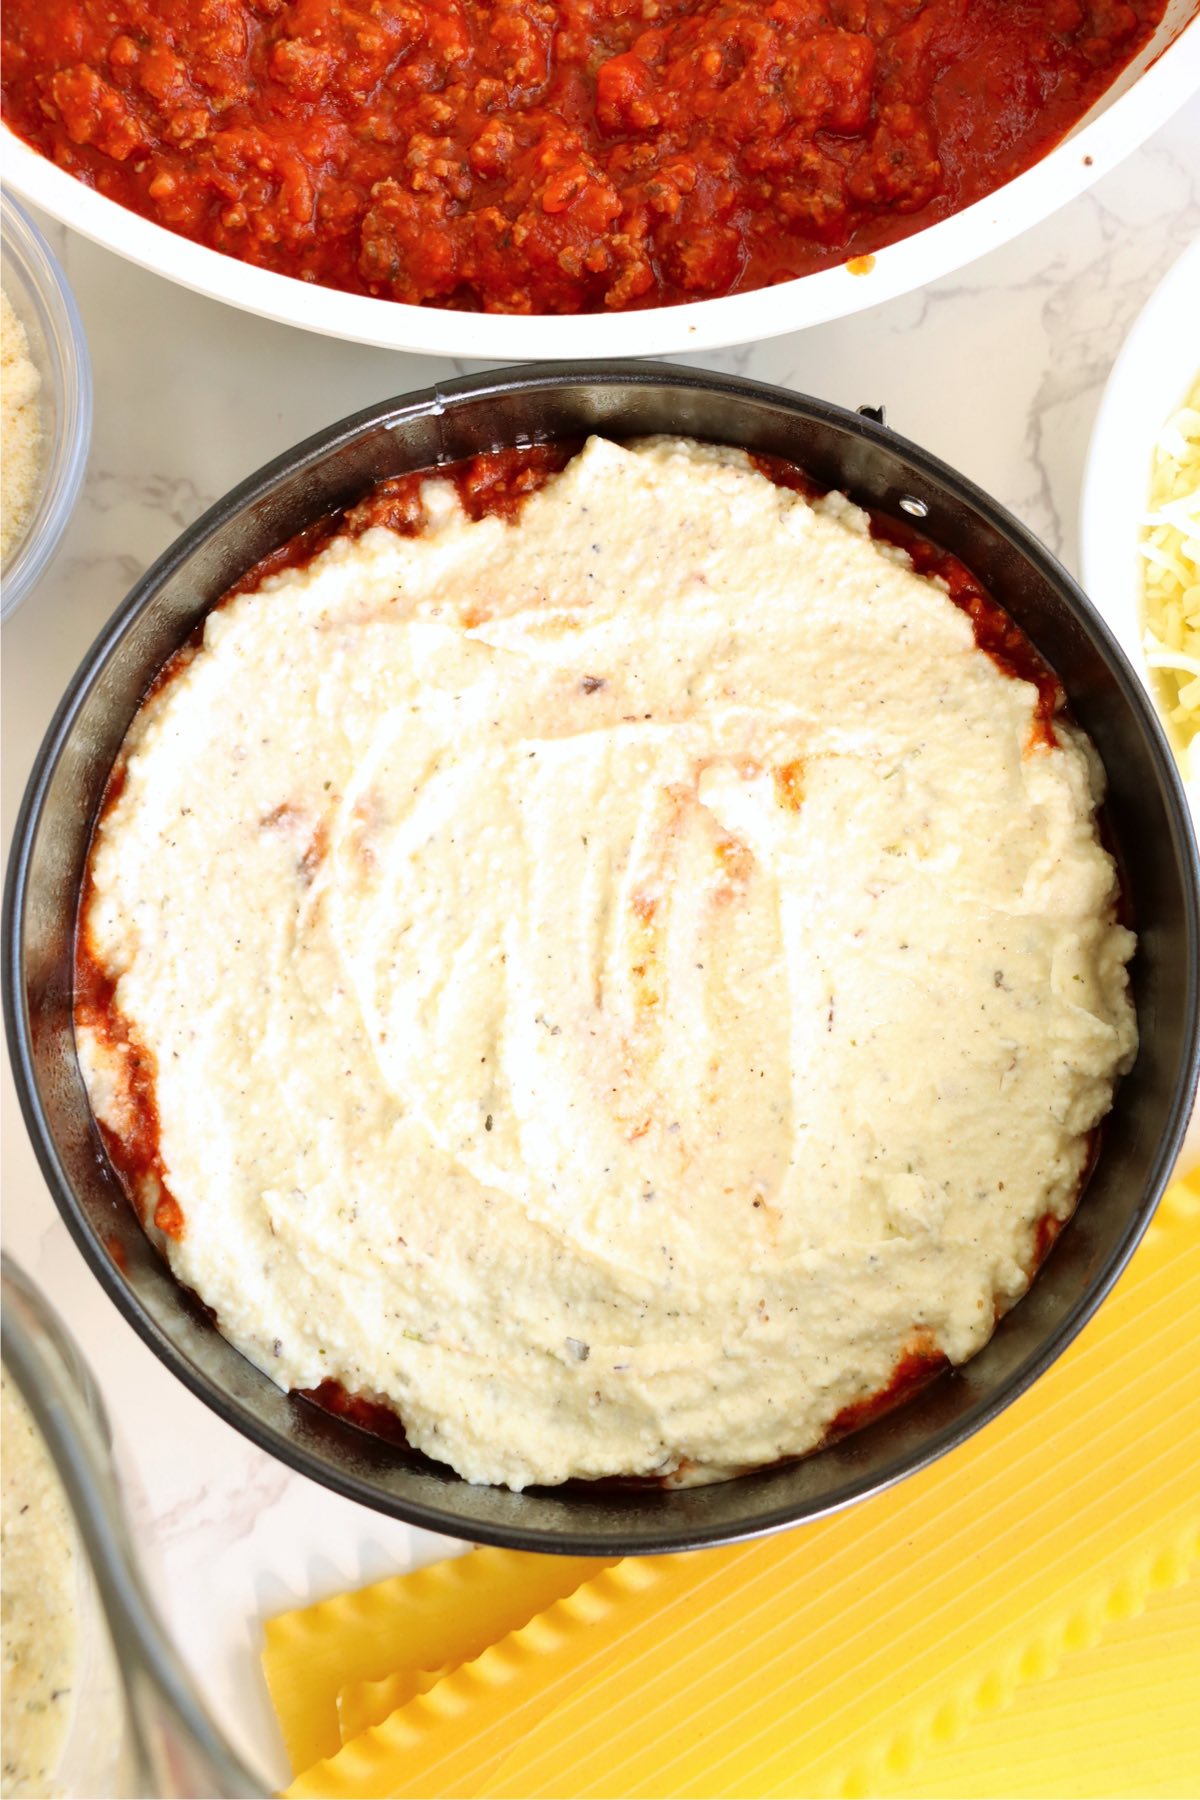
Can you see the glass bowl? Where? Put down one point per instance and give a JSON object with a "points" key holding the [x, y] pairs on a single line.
{"points": [[137, 1725], [38, 293]]}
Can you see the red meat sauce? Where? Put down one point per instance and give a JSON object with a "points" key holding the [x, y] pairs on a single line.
{"points": [[496, 483], [919, 1362], [135, 1152], [554, 156], [369, 1415]]}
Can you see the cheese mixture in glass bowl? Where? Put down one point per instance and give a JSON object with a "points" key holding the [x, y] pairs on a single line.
{"points": [[96, 1702], [47, 405]]}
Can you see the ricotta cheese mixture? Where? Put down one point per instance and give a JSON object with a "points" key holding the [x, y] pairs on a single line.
{"points": [[21, 422], [39, 1609], [619, 981]]}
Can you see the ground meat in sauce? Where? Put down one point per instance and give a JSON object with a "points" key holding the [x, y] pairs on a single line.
{"points": [[555, 156]]}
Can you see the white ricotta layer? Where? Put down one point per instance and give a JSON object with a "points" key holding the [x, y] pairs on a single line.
{"points": [[614, 978]]}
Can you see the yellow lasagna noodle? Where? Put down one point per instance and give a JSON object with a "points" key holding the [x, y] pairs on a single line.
{"points": [[443, 1614], [361, 1704]]}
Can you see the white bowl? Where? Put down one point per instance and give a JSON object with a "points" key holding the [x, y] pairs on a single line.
{"points": [[1161, 78], [1159, 362]]}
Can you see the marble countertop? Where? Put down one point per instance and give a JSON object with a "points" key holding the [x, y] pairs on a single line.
{"points": [[998, 369]]}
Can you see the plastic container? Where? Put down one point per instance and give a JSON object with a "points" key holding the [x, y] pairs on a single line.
{"points": [[38, 293]]}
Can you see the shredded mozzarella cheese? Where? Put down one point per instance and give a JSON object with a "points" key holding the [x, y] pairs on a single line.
{"points": [[1171, 581]]}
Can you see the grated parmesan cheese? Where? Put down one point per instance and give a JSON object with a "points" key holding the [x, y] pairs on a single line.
{"points": [[1171, 581], [20, 468], [38, 1606]]}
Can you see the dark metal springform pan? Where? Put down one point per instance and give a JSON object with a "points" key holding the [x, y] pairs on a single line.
{"points": [[1146, 816]]}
